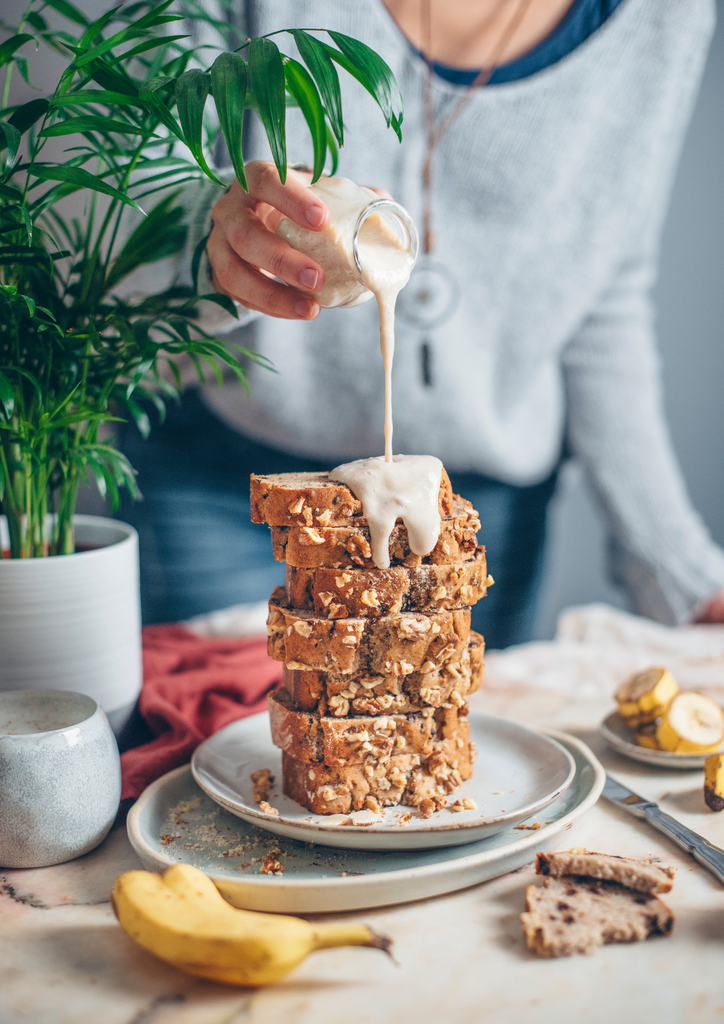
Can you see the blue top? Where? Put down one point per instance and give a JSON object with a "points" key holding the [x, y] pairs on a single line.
{"points": [[580, 21]]}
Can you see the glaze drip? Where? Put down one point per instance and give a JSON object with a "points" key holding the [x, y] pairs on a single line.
{"points": [[407, 487]]}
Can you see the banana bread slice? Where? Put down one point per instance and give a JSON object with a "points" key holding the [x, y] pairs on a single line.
{"points": [[336, 694], [400, 643], [312, 499], [418, 780], [340, 547], [570, 914], [641, 875], [307, 736], [371, 593]]}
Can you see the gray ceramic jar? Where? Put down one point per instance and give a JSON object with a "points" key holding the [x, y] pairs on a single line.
{"points": [[60, 777]]}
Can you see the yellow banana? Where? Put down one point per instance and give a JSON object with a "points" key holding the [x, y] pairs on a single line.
{"points": [[714, 781], [643, 697], [691, 724], [182, 918]]}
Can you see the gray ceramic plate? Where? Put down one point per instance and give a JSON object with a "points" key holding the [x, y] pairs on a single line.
{"points": [[622, 737], [175, 821], [517, 772]]}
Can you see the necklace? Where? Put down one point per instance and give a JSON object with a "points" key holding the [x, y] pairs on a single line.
{"points": [[435, 132], [432, 295]]}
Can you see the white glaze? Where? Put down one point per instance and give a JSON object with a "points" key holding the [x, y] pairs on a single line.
{"points": [[407, 487], [385, 263], [386, 269]]}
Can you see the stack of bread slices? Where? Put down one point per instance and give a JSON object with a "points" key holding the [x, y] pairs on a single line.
{"points": [[377, 662]]}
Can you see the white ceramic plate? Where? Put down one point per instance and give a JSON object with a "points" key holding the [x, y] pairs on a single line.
{"points": [[175, 821], [622, 737], [517, 772]]}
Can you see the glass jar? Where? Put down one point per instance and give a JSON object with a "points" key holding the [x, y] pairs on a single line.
{"points": [[354, 213]]}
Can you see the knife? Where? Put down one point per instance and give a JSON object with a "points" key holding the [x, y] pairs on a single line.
{"points": [[708, 855]]}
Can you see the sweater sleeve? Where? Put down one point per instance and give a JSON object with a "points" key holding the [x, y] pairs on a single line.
{"points": [[659, 547]]}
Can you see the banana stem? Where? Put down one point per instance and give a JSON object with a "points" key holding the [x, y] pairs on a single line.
{"points": [[327, 935]]}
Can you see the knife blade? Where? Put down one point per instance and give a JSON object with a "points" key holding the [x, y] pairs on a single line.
{"points": [[708, 855]]}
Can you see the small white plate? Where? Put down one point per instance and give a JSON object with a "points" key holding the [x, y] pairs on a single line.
{"points": [[517, 772], [174, 821], [623, 738]]}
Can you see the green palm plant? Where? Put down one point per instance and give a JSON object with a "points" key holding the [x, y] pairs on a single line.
{"points": [[75, 352]]}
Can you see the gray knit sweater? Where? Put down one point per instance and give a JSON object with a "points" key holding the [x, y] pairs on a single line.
{"points": [[549, 196]]}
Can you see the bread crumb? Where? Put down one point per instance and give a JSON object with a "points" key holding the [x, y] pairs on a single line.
{"points": [[533, 827], [263, 781], [268, 809]]}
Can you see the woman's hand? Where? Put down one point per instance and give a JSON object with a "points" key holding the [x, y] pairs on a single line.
{"points": [[243, 249], [713, 612]]}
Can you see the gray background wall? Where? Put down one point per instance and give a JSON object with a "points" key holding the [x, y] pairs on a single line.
{"points": [[691, 314], [690, 297]]}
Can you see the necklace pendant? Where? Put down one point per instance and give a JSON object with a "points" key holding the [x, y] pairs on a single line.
{"points": [[426, 362]]}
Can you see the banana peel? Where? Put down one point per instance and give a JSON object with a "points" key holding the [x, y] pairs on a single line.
{"points": [[646, 736], [644, 697], [714, 782], [182, 918]]}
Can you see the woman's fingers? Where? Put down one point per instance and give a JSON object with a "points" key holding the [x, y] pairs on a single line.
{"points": [[250, 240], [253, 289], [293, 199], [243, 248]]}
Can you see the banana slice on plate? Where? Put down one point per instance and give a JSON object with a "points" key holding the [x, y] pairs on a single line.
{"points": [[646, 736], [645, 695], [691, 724], [714, 782]]}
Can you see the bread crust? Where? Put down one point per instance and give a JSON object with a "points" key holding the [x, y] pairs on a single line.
{"points": [[423, 781], [402, 643], [340, 547], [641, 875], [387, 693], [372, 593], [312, 499], [308, 736]]}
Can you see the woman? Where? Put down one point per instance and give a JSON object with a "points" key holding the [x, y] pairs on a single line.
{"points": [[526, 331]]}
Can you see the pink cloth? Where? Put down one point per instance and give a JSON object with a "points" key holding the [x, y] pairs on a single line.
{"points": [[192, 687]]}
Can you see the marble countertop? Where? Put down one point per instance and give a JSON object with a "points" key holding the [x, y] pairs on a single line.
{"points": [[461, 959]]}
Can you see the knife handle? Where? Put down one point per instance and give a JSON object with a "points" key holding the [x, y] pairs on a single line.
{"points": [[708, 855]]}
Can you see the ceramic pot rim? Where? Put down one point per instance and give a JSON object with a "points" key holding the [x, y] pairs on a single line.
{"points": [[81, 520], [61, 694]]}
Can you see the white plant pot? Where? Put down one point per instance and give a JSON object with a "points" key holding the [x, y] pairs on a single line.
{"points": [[73, 622]]}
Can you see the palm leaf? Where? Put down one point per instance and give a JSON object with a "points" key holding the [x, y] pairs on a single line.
{"points": [[324, 73], [12, 139], [192, 88], [370, 71], [301, 85], [82, 179], [68, 10], [266, 78], [8, 48], [29, 114], [228, 81], [90, 123]]}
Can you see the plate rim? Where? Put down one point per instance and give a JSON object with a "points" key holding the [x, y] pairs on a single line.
{"points": [[262, 820], [645, 755], [518, 846]]}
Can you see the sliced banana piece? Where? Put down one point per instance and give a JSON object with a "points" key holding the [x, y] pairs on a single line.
{"points": [[714, 781], [645, 695], [646, 736], [691, 724]]}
